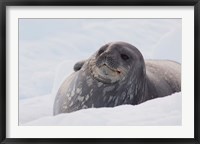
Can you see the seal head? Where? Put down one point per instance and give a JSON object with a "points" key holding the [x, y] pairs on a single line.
{"points": [[114, 61]]}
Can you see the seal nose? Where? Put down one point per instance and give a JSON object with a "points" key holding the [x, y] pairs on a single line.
{"points": [[111, 60], [108, 58]]}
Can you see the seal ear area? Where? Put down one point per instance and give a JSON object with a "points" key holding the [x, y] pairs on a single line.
{"points": [[79, 65]]}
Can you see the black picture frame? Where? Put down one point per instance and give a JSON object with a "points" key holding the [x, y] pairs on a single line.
{"points": [[5, 3]]}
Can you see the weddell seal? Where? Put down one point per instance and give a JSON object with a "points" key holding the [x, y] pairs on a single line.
{"points": [[116, 74]]}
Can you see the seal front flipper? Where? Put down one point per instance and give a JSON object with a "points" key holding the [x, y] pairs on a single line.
{"points": [[79, 65]]}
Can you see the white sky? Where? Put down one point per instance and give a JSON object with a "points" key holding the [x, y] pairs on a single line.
{"points": [[45, 43]]}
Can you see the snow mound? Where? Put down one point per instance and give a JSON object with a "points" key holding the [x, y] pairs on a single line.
{"points": [[164, 111], [34, 108]]}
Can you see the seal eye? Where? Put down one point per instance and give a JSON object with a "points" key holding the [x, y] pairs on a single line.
{"points": [[124, 57], [102, 49]]}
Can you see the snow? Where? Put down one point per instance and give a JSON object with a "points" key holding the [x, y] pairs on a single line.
{"points": [[34, 108], [165, 111]]}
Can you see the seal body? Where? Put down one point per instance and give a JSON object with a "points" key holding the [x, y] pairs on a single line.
{"points": [[116, 74]]}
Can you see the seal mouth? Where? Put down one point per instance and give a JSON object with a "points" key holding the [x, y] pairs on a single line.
{"points": [[105, 74], [108, 70]]}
